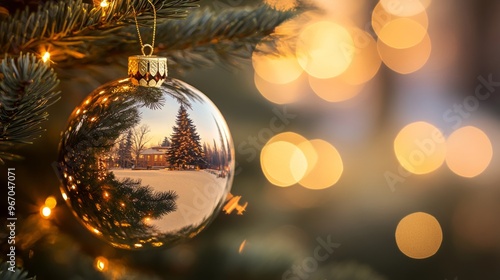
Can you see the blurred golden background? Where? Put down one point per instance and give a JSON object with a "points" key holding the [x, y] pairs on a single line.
{"points": [[378, 134]]}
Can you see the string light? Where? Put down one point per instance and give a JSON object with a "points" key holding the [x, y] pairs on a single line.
{"points": [[104, 4], [46, 57], [101, 263], [45, 211], [50, 202]]}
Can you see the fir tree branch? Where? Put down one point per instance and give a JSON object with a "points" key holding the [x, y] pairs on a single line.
{"points": [[77, 34], [207, 36], [26, 90], [65, 25]]}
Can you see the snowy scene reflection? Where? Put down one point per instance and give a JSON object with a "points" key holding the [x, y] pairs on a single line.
{"points": [[195, 171]]}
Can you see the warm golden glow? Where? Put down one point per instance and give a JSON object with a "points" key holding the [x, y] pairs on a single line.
{"points": [[281, 93], [469, 151], [310, 153], [327, 169], [288, 136], [420, 148], [405, 8], [340, 7], [419, 235], [276, 69], [380, 18], [366, 61], [334, 89], [402, 33], [101, 263], [405, 61], [242, 246], [64, 196], [325, 49], [50, 202], [282, 5], [283, 163], [45, 211], [104, 4], [46, 57]]}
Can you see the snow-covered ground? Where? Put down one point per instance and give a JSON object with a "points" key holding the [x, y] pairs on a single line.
{"points": [[199, 193]]}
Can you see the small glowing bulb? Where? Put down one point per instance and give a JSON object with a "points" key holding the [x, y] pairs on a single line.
{"points": [[101, 263], [104, 3], [46, 57], [45, 211], [50, 202]]}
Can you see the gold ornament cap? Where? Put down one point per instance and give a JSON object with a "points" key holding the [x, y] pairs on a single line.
{"points": [[147, 70]]}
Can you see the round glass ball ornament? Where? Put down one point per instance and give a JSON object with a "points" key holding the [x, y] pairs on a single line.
{"points": [[146, 166]]}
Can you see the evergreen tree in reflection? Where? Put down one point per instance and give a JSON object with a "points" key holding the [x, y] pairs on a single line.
{"points": [[185, 150], [125, 151]]}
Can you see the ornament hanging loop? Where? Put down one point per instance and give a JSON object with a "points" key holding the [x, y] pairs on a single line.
{"points": [[151, 49], [147, 70], [139, 31]]}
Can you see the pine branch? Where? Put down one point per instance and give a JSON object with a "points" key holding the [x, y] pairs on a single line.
{"points": [[26, 90], [206, 37], [76, 34], [68, 26]]}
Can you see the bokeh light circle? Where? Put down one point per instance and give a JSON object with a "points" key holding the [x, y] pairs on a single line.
{"points": [[283, 163], [405, 8], [327, 169], [402, 33], [469, 151], [419, 235], [380, 18], [334, 89], [276, 69], [281, 93], [324, 49], [420, 148], [50, 202], [288, 136], [366, 60], [405, 61]]}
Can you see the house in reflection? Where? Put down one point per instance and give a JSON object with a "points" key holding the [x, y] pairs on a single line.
{"points": [[153, 158]]}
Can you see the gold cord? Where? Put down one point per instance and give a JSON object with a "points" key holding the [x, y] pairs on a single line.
{"points": [[143, 46]]}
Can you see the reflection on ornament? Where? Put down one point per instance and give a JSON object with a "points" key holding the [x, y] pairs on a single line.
{"points": [[146, 166]]}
